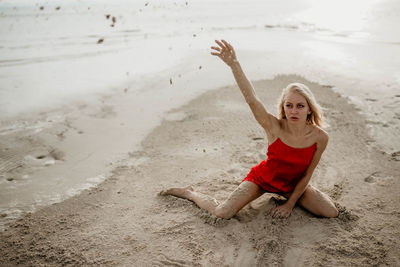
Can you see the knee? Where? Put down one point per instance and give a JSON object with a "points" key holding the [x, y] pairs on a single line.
{"points": [[331, 212], [318, 203], [223, 212]]}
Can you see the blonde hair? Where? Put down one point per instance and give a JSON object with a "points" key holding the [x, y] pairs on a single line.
{"points": [[316, 116]]}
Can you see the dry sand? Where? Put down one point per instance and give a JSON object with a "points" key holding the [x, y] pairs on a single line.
{"points": [[211, 143]]}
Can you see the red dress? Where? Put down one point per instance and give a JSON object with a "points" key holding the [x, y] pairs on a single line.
{"points": [[283, 168]]}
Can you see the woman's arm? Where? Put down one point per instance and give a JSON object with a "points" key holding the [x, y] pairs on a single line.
{"points": [[226, 52]]}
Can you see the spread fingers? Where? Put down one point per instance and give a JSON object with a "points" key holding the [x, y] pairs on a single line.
{"points": [[227, 45], [220, 44]]}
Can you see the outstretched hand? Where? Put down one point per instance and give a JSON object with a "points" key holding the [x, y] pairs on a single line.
{"points": [[225, 52]]}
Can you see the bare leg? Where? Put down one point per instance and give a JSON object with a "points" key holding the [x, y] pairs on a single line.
{"points": [[203, 201], [317, 203], [244, 193]]}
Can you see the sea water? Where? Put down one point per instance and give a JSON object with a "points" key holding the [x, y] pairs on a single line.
{"points": [[54, 54]]}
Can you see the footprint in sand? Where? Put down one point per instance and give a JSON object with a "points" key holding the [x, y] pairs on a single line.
{"points": [[41, 160], [44, 157], [395, 156], [20, 164], [370, 179]]}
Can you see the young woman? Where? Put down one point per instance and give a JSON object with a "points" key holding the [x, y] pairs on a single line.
{"points": [[296, 143]]}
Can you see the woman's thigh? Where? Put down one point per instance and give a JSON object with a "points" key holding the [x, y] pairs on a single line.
{"points": [[243, 194]]}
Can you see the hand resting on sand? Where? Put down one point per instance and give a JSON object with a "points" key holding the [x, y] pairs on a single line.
{"points": [[281, 211]]}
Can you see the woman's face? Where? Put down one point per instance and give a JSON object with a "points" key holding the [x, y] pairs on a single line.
{"points": [[296, 108]]}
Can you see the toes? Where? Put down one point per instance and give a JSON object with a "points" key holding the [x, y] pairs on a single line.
{"points": [[190, 188], [163, 193]]}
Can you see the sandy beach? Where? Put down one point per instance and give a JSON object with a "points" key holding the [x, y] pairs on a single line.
{"points": [[104, 105], [211, 143]]}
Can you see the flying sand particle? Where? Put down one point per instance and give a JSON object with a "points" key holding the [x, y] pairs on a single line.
{"points": [[170, 81], [101, 40], [58, 8], [108, 16], [114, 19]]}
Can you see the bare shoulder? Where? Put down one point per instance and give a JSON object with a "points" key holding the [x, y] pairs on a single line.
{"points": [[321, 136]]}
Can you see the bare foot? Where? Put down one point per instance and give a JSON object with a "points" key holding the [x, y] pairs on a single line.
{"points": [[182, 192]]}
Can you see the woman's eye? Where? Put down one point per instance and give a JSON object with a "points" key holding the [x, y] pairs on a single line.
{"points": [[300, 106], [288, 105]]}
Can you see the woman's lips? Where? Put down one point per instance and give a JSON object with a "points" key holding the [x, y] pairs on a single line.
{"points": [[294, 118]]}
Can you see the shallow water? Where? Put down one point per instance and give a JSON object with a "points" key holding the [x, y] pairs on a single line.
{"points": [[57, 51]]}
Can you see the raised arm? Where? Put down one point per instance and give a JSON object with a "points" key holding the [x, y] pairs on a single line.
{"points": [[226, 52]]}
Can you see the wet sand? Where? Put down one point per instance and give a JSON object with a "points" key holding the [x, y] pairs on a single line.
{"points": [[211, 143]]}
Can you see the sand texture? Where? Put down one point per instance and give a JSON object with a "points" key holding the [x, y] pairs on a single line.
{"points": [[211, 143]]}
